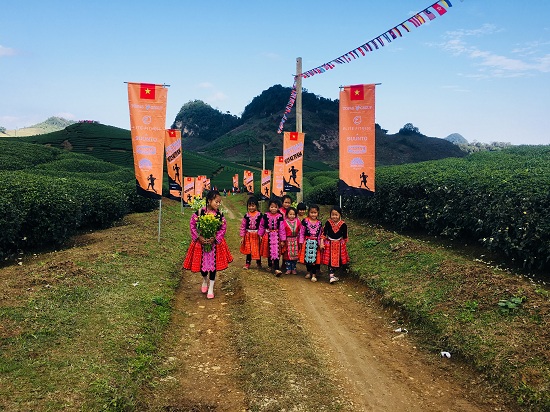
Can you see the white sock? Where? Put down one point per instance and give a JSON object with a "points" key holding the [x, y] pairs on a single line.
{"points": [[211, 287], [205, 281]]}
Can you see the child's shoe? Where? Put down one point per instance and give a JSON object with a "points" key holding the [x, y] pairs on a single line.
{"points": [[210, 296], [278, 273], [246, 266], [294, 272], [333, 279], [308, 275], [313, 279], [204, 288], [259, 265], [287, 272]]}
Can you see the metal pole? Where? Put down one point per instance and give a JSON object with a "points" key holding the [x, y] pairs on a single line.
{"points": [[160, 214], [300, 194]]}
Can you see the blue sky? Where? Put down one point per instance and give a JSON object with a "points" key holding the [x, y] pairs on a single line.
{"points": [[481, 70]]}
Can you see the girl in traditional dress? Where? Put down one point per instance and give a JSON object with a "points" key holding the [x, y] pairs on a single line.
{"points": [[250, 240], [208, 255], [291, 247], [333, 243], [310, 238], [273, 235]]}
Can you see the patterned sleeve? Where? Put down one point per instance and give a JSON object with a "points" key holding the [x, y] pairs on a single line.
{"points": [[261, 227], [282, 229], [302, 233], [220, 234], [193, 227], [242, 232]]}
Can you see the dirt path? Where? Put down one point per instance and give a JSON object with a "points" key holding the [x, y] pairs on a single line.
{"points": [[375, 368]]}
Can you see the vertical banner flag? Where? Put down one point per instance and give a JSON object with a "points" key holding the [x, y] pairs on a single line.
{"points": [[266, 184], [147, 124], [189, 190], [235, 182], [357, 141], [249, 181], [172, 146], [199, 186], [293, 153], [278, 169]]}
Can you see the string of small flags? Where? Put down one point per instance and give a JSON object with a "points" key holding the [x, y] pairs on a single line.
{"points": [[439, 8]]}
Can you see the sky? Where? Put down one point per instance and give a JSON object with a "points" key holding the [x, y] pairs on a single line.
{"points": [[481, 70]]}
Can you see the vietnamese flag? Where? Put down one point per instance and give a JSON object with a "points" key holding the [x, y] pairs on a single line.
{"points": [[147, 91], [357, 92]]}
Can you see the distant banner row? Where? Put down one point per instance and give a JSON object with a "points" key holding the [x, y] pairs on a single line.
{"points": [[150, 140]]}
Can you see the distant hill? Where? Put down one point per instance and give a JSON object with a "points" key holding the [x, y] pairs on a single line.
{"points": [[51, 124], [260, 119], [456, 139]]}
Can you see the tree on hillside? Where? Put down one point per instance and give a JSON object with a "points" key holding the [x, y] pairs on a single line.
{"points": [[409, 129], [2, 129]]}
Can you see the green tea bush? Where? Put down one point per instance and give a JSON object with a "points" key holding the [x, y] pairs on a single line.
{"points": [[500, 199]]}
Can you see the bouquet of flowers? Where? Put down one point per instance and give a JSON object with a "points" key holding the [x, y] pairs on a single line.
{"points": [[208, 225]]}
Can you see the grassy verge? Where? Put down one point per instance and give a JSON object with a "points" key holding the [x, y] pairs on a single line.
{"points": [[496, 321], [80, 330]]}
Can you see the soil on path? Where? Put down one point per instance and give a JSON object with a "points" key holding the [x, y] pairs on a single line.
{"points": [[374, 367]]}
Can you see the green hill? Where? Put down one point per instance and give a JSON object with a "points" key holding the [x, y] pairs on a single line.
{"points": [[52, 124], [261, 117]]}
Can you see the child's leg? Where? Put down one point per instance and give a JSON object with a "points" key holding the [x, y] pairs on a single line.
{"points": [[212, 276], [248, 258], [204, 286], [332, 278], [259, 263], [309, 269], [293, 266]]}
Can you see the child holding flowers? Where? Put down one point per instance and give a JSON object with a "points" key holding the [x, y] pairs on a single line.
{"points": [[208, 251], [250, 240], [273, 235]]}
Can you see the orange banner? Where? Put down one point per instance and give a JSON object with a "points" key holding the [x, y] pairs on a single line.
{"points": [[199, 186], [147, 124], [188, 189], [172, 147], [278, 183], [293, 153], [266, 183], [357, 140], [248, 181]]}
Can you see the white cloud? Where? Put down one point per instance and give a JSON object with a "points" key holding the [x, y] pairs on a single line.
{"points": [[492, 64], [6, 51]]}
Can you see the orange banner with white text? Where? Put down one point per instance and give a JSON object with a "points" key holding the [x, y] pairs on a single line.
{"points": [[172, 147], [357, 140], [278, 183], [293, 154], [199, 186], [147, 104], [248, 181], [188, 189], [266, 184]]}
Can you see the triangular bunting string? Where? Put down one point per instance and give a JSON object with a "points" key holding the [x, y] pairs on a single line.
{"points": [[417, 20]]}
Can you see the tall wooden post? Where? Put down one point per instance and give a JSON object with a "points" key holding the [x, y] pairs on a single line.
{"points": [[300, 194]]}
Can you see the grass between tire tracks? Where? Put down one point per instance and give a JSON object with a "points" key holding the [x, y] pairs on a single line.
{"points": [[81, 328]]}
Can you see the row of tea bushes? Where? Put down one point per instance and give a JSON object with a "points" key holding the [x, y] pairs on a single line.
{"points": [[46, 195], [500, 199]]}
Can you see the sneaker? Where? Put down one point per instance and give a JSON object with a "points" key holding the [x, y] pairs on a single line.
{"points": [[287, 272], [278, 273], [246, 266], [204, 288], [210, 296], [308, 275], [294, 272], [333, 279], [313, 279], [259, 265]]}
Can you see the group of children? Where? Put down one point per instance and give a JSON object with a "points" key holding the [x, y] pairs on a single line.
{"points": [[284, 235]]}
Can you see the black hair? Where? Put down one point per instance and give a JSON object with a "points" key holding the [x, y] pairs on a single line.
{"points": [[301, 206], [337, 209], [291, 208], [252, 201], [314, 206], [274, 201], [285, 197], [211, 195]]}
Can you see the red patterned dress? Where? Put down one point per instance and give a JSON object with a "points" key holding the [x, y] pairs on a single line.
{"points": [[218, 258], [291, 249], [249, 231], [335, 237]]}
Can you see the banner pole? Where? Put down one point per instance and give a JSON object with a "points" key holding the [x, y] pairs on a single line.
{"points": [[300, 194], [160, 214]]}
